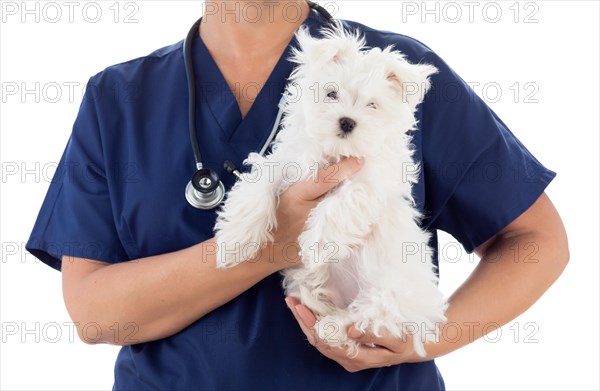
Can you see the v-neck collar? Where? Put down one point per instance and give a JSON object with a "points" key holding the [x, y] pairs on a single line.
{"points": [[252, 130]]}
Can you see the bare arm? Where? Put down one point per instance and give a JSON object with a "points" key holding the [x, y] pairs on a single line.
{"points": [[504, 284], [151, 298], [517, 266], [154, 297]]}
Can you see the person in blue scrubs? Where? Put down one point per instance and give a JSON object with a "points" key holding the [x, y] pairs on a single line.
{"points": [[138, 261]]}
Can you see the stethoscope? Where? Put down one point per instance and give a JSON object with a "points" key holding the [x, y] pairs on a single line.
{"points": [[206, 190]]}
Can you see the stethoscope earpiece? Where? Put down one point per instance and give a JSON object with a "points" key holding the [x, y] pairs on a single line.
{"points": [[205, 190]]}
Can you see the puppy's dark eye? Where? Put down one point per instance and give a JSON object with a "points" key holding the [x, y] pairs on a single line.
{"points": [[372, 105], [332, 95]]}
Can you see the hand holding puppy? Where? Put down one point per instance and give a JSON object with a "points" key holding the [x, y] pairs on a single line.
{"points": [[374, 352], [296, 203]]}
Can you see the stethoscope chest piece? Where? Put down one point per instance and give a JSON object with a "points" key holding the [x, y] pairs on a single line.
{"points": [[205, 190]]}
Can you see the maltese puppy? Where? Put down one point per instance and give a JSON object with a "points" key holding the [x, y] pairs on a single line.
{"points": [[365, 260]]}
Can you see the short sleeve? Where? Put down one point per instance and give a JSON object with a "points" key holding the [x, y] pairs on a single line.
{"points": [[76, 217], [478, 176]]}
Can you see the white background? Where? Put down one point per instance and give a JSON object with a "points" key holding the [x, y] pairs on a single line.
{"points": [[552, 346]]}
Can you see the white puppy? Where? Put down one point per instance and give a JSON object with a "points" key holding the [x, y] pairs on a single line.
{"points": [[365, 260]]}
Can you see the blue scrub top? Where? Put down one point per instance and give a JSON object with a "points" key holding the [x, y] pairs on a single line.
{"points": [[118, 195]]}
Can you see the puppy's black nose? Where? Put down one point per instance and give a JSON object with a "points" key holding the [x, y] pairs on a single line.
{"points": [[347, 124]]}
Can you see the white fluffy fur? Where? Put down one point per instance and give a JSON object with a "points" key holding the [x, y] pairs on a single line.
{"points": [[376, 278]]}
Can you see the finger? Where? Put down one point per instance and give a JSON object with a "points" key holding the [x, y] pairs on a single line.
{"points": [[307, 315], [386, 340], [292, 301], [308, 331], [365, 358], [307, 321], [327, 178], [376, 357]]}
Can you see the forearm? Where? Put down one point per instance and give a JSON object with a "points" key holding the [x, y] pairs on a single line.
{"points": [[513, 273], [154, 297]]}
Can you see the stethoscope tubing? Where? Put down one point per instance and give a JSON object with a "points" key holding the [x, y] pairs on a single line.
{"points": [[205, 190]]}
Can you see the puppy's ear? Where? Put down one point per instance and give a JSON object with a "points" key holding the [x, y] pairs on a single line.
{"points": [[410, 80], [348, 44], [337, 45], [311, 50]]}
